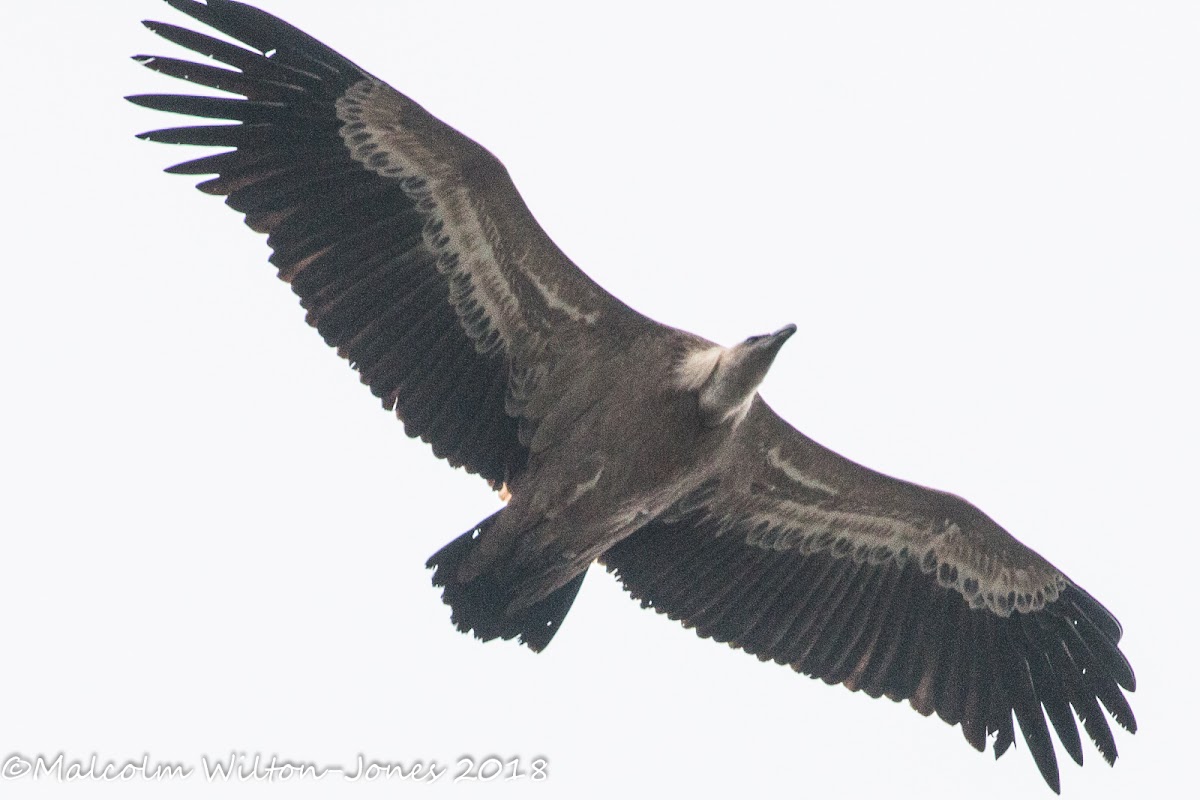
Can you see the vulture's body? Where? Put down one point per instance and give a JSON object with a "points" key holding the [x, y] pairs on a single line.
{"points": [[621, 440]]}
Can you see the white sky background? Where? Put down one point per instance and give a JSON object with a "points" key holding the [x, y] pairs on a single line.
{"points": [[982, 216]]}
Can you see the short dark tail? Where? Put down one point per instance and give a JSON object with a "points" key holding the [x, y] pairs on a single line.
{"points": [[480, 604]]}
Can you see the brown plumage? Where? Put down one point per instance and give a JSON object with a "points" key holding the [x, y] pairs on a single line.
{"points": [[622, 440]]}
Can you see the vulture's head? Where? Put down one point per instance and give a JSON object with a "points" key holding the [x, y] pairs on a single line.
{"points": [[726, 394]]}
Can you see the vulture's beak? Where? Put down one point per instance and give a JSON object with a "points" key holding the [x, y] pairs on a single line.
{"points": [[776, 339]]}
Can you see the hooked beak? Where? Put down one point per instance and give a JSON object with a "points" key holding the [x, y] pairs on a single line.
{"points": [[783, 334], [771, 342]]}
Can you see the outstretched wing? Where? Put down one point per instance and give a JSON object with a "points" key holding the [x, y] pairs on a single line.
{"points": [[407, 242], [797, 555]]}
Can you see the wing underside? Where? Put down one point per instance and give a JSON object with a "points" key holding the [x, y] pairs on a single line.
{"points": [[800, 557], [408, 244]]}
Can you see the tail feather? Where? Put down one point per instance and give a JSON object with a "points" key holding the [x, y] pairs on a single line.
{"points": [[481, 604]]}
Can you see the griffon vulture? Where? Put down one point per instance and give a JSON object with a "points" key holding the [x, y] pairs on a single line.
{"points": [[621, 440]]}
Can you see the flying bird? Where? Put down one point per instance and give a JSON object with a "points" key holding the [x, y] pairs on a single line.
{"points": [[618, 439]]}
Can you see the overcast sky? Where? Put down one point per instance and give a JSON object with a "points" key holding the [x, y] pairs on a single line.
{"points": [[981, 215]]}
